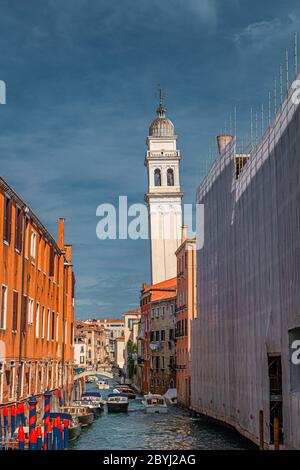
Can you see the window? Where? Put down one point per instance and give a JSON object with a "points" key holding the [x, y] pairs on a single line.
{"points": [[151, 335], [53, 326], [32, 244], [18, 229], [43, 322], [7, 219], [51, 262], [157, 313], [66, 332], [152, 313], [170, 177], [157, 335], [30, 311], [3, 312], [24, 314], [81, 359], [37, 321], [163, 335], [15, 311], [48, 324], [57, 319], [1, 381], [157, 177]]}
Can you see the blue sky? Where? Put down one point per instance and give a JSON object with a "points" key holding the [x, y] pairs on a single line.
{"points": [[82, 80]]}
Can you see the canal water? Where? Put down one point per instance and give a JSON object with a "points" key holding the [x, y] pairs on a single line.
{"points": [[138, 430]]}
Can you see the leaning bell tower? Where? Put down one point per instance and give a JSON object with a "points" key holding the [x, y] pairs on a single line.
{"points": [[163, 196]]}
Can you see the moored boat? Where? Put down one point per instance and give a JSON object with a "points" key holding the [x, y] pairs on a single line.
{"points": [[125, 389], [92, 406], [155, 403], [117, 402], [84, 414], [74, 424], [102, 385]]}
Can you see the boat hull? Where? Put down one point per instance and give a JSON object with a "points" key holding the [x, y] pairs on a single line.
{"points": [[86, 420], [74, 432], [156, 409], [117, 407]]}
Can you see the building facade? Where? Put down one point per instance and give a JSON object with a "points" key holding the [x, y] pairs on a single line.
{"points": [[186, 311], [248, 269], [131, 320], [163, 197], [36, 304], [162, 342], [156, 337]]}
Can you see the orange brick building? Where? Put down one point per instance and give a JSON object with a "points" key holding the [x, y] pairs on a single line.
{"points": [[185, 312], [157, 364], [36, 303]]}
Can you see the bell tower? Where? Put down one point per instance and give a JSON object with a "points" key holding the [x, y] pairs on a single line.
{"points": [[163, 196]]}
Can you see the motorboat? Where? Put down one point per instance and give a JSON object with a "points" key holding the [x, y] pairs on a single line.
{"points": [[93, 406], [117, 402], [155, 403], [74, 424], [94, 397], [125, 389], [102, 385], [84, 414]]}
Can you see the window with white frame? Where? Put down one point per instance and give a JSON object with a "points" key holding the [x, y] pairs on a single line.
{"points": [[30, 311], [3, 307], [48, 324], [43, 322], [32, 244], [37, 321], [22, 379], [12, 382], [36, 377]]}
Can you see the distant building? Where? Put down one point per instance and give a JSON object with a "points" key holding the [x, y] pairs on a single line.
{"points": [[94, 341], [113, 328], [131, 319], [186, 311], [119, 348], [36, 304], [80, 351]]}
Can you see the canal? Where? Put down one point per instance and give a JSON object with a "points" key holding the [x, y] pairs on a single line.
{"points": [[138, 430]]}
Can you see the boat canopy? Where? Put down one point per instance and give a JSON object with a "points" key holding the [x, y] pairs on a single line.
{"points": [[91, 394], [117, 395]]}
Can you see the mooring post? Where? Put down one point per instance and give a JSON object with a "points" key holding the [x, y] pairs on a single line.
{"points": [[261, 430], [276, 433]]}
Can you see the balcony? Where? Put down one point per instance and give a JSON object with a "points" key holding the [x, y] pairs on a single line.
{"points": [[155, 345]]}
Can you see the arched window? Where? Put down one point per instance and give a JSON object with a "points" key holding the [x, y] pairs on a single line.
{"points": [[170, 177], [157, 177]]}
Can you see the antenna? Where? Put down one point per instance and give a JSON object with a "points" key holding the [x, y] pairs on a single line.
{"points": [[296, 52], [275, 96], [234, 111], [287, 69], [161, 94], [251, 126], [269, 114], [281, 86]]}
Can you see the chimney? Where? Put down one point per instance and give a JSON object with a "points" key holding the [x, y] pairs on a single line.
{"points": [[183, 233], [223, 141], [61, 233]]}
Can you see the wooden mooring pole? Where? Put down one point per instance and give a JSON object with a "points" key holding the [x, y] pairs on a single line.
{"points": [[261, 430], [276, 433]]}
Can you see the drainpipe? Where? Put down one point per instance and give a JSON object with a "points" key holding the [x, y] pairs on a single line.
{"points": [[26, 210]]}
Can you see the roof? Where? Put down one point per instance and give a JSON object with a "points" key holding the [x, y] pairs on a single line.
{"points": [[161, 290], [8, 189]]}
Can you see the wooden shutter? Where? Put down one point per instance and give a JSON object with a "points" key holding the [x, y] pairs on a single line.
{"points": [[51, 261], [73, 285], [15, 311], [18, 229], [7, 219], [24, 314]]}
